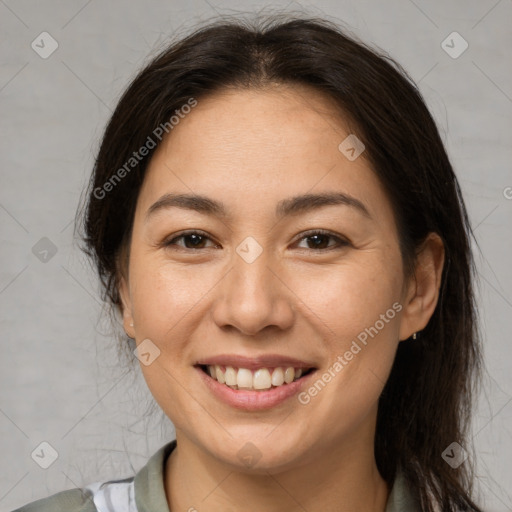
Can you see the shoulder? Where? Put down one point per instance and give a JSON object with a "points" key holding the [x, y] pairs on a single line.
{"points": [[73, 500], [147, 484], [99, 496]]}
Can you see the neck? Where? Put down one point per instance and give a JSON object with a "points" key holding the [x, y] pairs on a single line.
{"points": [[342, 479]]}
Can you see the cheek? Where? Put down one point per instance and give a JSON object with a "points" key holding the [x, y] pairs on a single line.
{"points": [[360, 344], [166, 302], [163, 295], [345, 299]]}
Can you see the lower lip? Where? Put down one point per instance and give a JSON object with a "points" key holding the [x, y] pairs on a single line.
{"points": [[253, 400]]}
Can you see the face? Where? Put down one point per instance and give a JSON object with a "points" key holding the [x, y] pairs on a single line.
{"points": [[265, 280]]}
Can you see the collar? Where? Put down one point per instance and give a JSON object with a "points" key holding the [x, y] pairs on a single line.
{"points": [[149, 482], [150, 491]]}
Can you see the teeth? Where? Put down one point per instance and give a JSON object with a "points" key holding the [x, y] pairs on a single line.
{"points": [[277, 377], [219, 374], [262, 378], [244, 379], [289, 375], [230, 376]]}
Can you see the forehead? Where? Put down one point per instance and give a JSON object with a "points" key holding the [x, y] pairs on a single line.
{"points": [[259, 125], [246, 146]]}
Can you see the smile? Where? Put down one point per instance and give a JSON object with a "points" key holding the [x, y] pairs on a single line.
{"points": [[259, 379], [254, 383]]}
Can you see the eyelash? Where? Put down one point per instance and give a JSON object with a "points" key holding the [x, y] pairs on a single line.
{"points": [[341, 242]]}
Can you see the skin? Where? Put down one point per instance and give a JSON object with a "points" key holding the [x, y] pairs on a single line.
{"points": [[249, 149]]}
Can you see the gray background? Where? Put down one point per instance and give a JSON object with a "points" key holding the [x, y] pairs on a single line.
{"points": [[61, 379]]}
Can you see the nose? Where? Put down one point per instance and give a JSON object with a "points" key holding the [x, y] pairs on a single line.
{"points": [[252, 297]]}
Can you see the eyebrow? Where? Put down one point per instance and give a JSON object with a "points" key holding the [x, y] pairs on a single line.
{"points": [[286, 207]]}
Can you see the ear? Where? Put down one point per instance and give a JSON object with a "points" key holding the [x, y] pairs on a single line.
{"points": [[422, 291], [126, 304]]}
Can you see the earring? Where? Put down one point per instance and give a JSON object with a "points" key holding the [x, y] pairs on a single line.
{"points": [[414, 336], [131, 325]]}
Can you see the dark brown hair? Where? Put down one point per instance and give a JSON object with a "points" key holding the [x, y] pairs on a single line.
{"points": [[426, 403]]}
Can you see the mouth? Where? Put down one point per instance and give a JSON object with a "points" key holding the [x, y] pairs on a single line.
{"points": [[254, 383], [258, 379]]}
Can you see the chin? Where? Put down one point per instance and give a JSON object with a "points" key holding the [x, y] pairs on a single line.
{"points": [[256, 454]]}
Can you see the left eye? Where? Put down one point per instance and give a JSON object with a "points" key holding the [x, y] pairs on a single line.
{"points": [[197, 239], [193, 236], [319, 236]]}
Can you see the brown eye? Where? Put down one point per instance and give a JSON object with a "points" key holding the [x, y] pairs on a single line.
{"points": [[320, 240], [191, 240], [317, 241]]}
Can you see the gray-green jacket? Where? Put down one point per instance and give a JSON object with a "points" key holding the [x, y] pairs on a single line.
{"points": [[145, 492]]}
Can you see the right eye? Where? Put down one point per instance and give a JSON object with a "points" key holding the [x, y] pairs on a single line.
{"points": [[195, 238]]}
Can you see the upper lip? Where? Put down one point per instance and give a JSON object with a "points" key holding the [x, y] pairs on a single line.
{"points": [[253, 363]]}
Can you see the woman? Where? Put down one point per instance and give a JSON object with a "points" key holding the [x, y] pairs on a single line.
{"points": [[274, 215]]}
